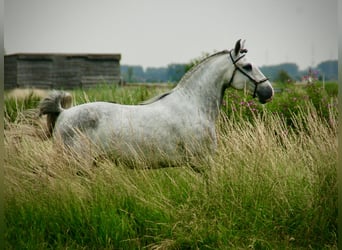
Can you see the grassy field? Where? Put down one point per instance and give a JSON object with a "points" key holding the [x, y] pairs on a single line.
{"points": [[269, 186]]}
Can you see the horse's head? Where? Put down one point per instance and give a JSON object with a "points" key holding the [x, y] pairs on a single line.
{"points": [[245, 72]]}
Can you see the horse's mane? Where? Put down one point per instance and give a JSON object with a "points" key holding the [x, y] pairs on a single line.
{"points": [[197, 66], [184, 78], [156, 98]]}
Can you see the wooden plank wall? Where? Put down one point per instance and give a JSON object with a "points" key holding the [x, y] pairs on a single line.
{"points": [[61, 71], [10, 70], [34, 72]]}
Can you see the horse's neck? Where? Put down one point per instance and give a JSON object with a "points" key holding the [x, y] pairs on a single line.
{"points": [[204, 86]]}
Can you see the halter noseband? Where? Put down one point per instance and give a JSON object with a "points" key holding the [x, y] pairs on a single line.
{"points": [[237, 68]]}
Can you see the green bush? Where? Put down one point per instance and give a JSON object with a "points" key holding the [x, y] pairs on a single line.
{"points": [[331, 88], [289, 102]]}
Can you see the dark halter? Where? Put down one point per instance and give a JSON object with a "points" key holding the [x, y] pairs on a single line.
{"points": [[237, 68]]}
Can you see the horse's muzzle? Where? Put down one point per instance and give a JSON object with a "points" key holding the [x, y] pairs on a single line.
{"points": [[265, 94], [265, 101]]}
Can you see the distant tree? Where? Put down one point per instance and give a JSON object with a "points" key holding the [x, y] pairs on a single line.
{"points": [[130, 72], [272, 72], [156, 74], [175, 72], [283, 77], [329, 69]]}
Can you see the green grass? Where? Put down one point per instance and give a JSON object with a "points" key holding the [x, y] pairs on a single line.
{"points": [[331, 88], [14, 107], [123, 95], [269, 186]]}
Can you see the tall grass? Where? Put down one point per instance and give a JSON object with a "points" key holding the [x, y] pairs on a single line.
{"points": [[123, 95], [269, 186]]}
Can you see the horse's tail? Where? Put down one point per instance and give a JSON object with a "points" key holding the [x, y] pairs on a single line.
{"points": [[53, 105]]}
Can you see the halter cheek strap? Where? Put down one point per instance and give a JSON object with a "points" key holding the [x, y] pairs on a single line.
{"points": [[237, 68]]}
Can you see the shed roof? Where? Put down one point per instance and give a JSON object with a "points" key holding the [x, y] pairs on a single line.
{"points": [[93, 56]]}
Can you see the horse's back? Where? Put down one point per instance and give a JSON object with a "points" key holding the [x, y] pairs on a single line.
{"points": [[102, 120]]}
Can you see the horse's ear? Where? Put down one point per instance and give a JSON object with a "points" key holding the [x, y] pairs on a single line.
{"points": [[243, 44], [243, 49], [237, 47]]}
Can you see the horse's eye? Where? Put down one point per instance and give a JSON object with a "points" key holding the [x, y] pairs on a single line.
{"points": [[247, 67]]}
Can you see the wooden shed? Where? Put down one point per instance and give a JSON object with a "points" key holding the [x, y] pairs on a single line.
{"points": [[65, 71]]}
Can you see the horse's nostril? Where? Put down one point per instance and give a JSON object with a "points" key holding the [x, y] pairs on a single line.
{"points": [[264, 99], [269, 99], [265, 94]]}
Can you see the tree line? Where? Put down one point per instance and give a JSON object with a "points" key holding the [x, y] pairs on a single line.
{"points": [[171, 73], [327, 70]]}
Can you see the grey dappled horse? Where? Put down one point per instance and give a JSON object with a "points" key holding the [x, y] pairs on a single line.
{"points": [[169, 127]]}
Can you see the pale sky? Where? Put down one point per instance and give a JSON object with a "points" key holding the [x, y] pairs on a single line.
{"points": [[157, 33]]}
